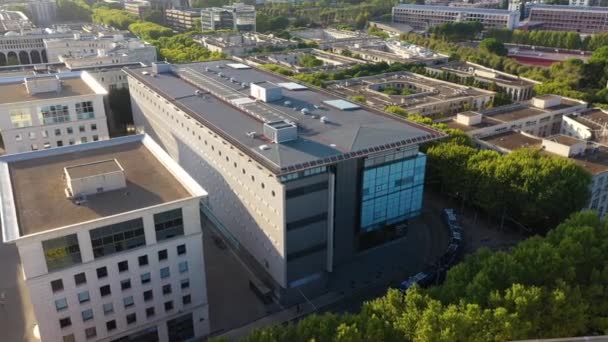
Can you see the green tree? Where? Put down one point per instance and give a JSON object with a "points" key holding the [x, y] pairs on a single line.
{"points": [[492, 45]]}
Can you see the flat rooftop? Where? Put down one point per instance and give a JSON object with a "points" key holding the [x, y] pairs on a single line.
{"points": [[563, 139], [467, 69], [512, 140], [595, 161], [227, 109], [39, 186], [595, 118], [455, 9], [11, 92]]}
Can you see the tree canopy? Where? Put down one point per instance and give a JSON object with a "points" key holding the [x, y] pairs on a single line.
{"points": [[545, 287], [492, 45]]}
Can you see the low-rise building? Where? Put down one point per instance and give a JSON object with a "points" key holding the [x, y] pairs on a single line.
{"points": [[14, 21], [581, 19], [83, 51], [422, 17], [44, 111], [291, 60], [182, 18], [110, 242], [391, 51], [541, 116], [327, 38], [237, 17], [414, 93], [242, 43], [518, 88]]}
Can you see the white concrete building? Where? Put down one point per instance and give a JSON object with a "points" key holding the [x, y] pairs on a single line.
{"points": [[80, 51], [39, 112], [421, 17], [110, 241]]}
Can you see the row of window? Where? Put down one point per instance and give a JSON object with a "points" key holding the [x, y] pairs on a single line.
{"points": [[111, 325], [57, 132], [102, 272]]}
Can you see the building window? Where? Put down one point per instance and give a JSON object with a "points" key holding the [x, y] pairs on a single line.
{"points": [[162, 255], [187, 299], [108, 308], [83, 140], [128, 301], [81, 129], [143, 260], [181, 249], [164, 272], [54, 114], [59, 143], [145, 278], [168, 224], [90, 332], [111, 325], [123, 266], [21, 117], [180, 328], [83, 297], [150, 312], [84, 110], [93, 127], [69, 338], [69, 130], [125, 284], [95, 137], [61, 304], [57, 285], [61, 252], [185, 283], [183, 267], [148, 295], [87, 315], [80, 278], [117, 237], [131, 318], [105, 290], [102, 272], [65, 322], [18, 137], [167, 289], [169, 306]]}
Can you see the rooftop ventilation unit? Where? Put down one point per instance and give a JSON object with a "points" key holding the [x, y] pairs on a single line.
{"points": [[266, 92], [281, 131], [161, 67]]}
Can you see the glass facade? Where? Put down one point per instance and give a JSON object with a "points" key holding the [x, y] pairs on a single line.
{"points": [[117, 237], [168, 224], [180, 328], [392, 189], [54, 114], [84, 110], [61, 252]]}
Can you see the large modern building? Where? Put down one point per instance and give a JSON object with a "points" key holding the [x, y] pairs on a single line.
{"points": [[516, 87], [422, 17], [44, 111], [110, 241], [580, 19], [328, 38], [237, 17], [292, 60], [182, 18], [391, 51], [83, 51], [302, 181], [242, 43], [414, 93]]}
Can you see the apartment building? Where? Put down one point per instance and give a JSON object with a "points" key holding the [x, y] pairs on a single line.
{"points": [[422, 17], [588, 20], [516, 87], [237, 17], [137, 7], [110, 241], [83, 51], [182, 18], [541, 116], [301, 179], [44, 111]]}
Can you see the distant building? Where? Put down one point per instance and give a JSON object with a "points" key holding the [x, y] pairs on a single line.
{"points": [[328, 38], [518, 88], [291, 60], [585, 3], [182, 18], [579, 19], [541, 116], [421, 17], [137, 7], [44, 12], [391, 51], [14, 21], [82, 51], [241, 43], [237, 17], [110, 241], [40, 112]]}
